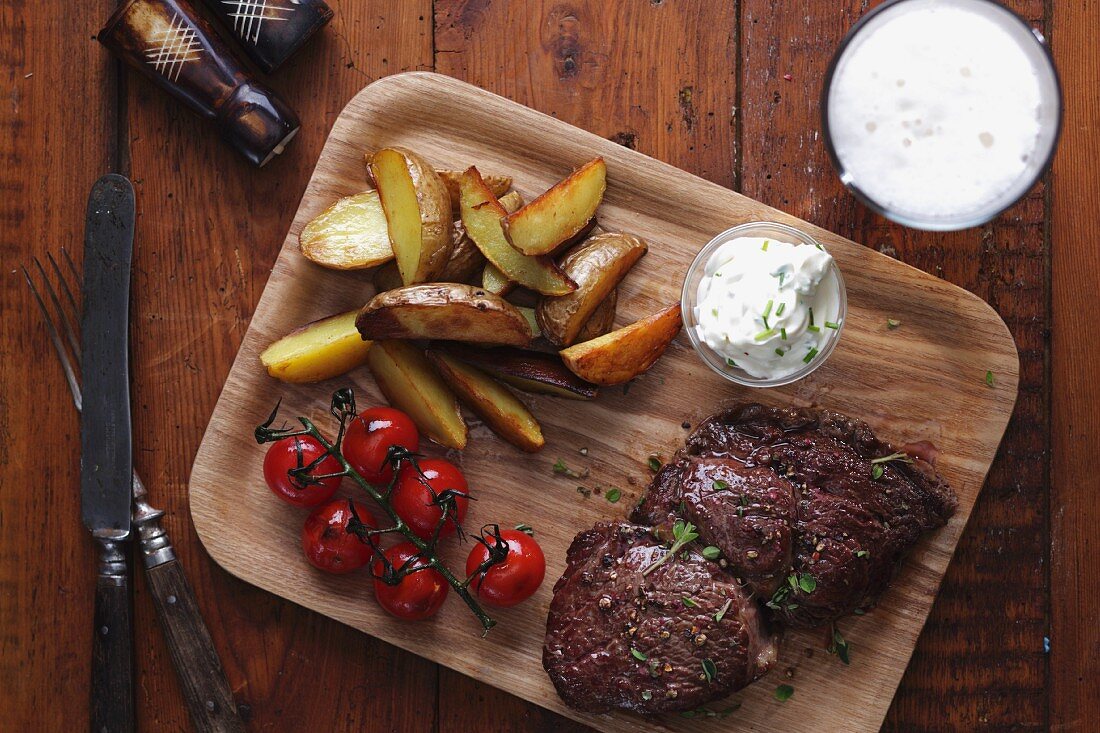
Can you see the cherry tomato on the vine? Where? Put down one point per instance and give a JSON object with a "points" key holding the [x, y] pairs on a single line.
{"points": [[369, 437], [414, 501], [299, 451], [328, 544], [418, 595], [513, 579]]}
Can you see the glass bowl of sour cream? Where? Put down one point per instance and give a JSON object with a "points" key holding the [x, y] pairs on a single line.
{"points": [[764, 304]]}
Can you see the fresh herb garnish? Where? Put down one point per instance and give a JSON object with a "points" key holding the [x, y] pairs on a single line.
{"points": [[730, 362], [830, 324], [638, 655], [714, 312], [708, 713], [768, 310], [711, 552], [862, 553], [811, 316], [689, 602], [989, 379], [904, 458], [764, 247], [783, 334], [780, 352], [810, 356], [892, 323], [654, 463], [722, 611], [764, 335], [710, 670], [613, 495], [647, 695], [807, 583], [782, 307], [783, 693], [876, 471], [813, 329], [719, 485], [838, 645], [683, 533], [564, 470], [526, 529]]}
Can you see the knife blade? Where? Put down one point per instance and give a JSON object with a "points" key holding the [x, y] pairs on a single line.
{"points": [[105, 441]]}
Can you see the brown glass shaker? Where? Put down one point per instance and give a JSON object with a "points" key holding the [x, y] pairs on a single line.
{"points": [[270, 31], [171, 44]]}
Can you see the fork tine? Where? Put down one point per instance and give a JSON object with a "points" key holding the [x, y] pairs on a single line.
{"points": [[62, 315], [55, 338]]}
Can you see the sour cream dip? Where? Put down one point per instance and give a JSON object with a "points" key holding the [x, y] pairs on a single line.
{"points": [[768, 307], [941, 113]]}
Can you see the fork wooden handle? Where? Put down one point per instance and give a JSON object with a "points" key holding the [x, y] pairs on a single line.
{"points": [[112, 708], [205, 687]]}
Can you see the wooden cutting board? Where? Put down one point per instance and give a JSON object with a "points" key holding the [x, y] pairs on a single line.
{"points": [[926, 380]]}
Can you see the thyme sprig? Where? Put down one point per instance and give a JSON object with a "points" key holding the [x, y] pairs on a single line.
{"points": [[683, 533], [343, 410]]}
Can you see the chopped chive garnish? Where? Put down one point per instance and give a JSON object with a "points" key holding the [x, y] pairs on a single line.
{"points": [[768, 308], [811, 316], [766, 325], [783, 334], [810, 356], [782, 307], [819, 246], [731, 363], [781, 276], [718, 274], [779, 352], [813, 329], [763, 335], [764, 247], [830, 324], [714, 312]]}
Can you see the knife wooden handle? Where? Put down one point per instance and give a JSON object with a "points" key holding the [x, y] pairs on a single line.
{"points": [[205, 687], [112, 708]]}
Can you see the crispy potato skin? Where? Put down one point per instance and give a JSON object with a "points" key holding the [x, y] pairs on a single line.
{"points": [[409, 383], [492, 402], [419, 258], [602, 319], [598, 265], [481, 215], [451, 311], [316, 351], [499, 185], [349, 235], [621, 355], [559, 213], [530, 371]]}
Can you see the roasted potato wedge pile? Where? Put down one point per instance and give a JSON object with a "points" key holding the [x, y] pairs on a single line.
{"points": [[474, 291]]}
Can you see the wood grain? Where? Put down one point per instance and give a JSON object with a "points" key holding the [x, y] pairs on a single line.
{"points": [[921, 394], [209, 228], [1075, 484], [979, 663], [56, 138]]}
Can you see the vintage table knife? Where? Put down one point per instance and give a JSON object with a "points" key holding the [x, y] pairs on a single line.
{"points": [[105, 459]]}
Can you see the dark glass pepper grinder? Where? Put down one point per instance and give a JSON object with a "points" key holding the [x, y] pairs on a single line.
{"points": [[175, 47], [270, 31]]}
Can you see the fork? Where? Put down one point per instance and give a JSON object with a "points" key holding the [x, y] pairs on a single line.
{"points": [[205, 687]]}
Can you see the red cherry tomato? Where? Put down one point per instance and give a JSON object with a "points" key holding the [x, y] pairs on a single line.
{"points": [[418, 595], [369, 437], [414, 501], [299, 451], [513, 579], [328, 544]]}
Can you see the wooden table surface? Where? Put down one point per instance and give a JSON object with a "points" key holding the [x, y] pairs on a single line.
{"points": [[725, 89]]}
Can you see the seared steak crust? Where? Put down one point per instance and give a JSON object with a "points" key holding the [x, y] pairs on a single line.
{"points": [[850, 525], [616, 638]]}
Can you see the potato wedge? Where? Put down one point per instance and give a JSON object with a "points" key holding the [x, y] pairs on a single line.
{"points": [[602, 319], [450, 311], [597, 266], [349, 235], [410, 383], [320, 350], [621, 355], [418, 213], [467, 262], [492, 402], [481, 215], [499, 185], [532, 320], [386, 278], [530, 371], [495, 281], [557, 215]]}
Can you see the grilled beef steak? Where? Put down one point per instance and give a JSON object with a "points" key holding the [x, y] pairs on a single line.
{"points": [[677, 637], [854, 516]]}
